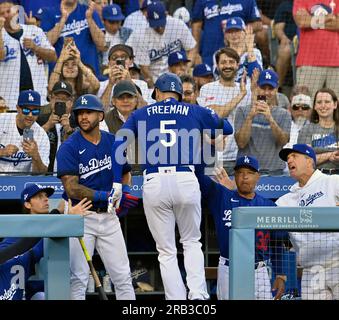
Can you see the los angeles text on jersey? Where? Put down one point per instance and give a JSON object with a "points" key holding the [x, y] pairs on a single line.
{"points": [[94, 166]]}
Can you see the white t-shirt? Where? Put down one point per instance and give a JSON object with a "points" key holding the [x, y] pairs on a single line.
{"points": [[10, 66], [20, 161], [314, 248], [152, 49], [136, 21], [146, 93], [110, 40], [215, 93]]}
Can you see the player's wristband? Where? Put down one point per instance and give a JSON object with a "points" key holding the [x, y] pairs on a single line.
{"points": [[126, 188], [100, 196]]}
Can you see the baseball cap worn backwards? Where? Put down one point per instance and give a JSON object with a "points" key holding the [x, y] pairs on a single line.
{"points": [[268, 77], [32, 189], [29, 98], [298, 148], [156, 14], [247, 162]]}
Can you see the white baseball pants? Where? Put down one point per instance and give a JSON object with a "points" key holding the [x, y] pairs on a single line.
{"points": [[103, 232], [172, 198], [262, 282]]}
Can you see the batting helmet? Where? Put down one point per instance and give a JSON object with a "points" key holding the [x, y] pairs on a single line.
{"points": [[87, 102], [168, 82]]}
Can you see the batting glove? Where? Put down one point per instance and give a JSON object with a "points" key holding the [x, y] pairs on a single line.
{"points": [[127, 202], [114, 197]]}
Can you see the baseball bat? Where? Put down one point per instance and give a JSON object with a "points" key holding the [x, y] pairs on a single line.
{"points": [[102, 294]]}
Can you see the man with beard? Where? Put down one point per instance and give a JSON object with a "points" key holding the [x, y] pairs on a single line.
{"points": [[85, 168], [224, 96], [262, 128]]}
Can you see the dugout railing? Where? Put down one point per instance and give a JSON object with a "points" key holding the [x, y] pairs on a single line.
{"points": [[56, 230], [245, 220]]}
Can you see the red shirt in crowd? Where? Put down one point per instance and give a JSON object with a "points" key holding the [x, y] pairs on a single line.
{"points": [[317, 47]]}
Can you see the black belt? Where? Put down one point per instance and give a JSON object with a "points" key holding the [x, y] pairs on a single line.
{"points": [[98, 210], [175, 169], [329, 171]]}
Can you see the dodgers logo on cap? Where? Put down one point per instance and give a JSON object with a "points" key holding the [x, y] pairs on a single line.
{"points": [[247, 162], [83, 100], [298, 148]]}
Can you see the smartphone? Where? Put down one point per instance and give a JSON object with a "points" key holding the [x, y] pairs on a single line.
{"points": [[28, 134], [261, 97], [120, 62], [60, 108], [68, 40]]}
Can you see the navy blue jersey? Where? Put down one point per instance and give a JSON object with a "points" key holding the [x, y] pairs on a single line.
{"points": [[15, 272], [170, 133], [91, 163], [221, 201], [213, 13], [76, 27]]}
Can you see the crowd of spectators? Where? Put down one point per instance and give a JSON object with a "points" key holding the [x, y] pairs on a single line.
{"points": [[63, 49]]}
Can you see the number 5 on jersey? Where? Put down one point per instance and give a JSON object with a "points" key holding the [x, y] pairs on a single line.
{"points": [[171, 132]]}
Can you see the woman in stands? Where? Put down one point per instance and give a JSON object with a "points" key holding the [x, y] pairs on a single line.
{"points": [[70, 68], [323, 131]]}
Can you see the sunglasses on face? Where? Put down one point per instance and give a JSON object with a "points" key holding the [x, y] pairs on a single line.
{"points": [[26, 111], [298, 107]]}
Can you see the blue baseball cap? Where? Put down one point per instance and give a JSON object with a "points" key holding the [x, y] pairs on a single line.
{"points": [[247, 162], [202, 70], [156, 14], [146, 3], [112, 13], [29, 98], [176, 57], [39, 14], [32, 189], [268, 77], [298, 148], [235, 23]]}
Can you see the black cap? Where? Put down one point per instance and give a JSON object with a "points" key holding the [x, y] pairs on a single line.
{"points": [[124, 86], [63, 87], [122, 47]]}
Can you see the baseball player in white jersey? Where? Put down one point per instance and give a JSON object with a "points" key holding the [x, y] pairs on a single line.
{"points": [[85, 168], [171, 193], [318, 253], [153, 44], [10, 65], [21, 151]]}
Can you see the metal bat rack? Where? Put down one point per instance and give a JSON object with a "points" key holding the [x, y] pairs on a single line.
{"points": [[246, 219], [56, 229]]}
